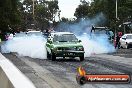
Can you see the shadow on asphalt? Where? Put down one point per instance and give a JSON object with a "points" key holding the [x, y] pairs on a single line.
{"points": [[67, 60]]}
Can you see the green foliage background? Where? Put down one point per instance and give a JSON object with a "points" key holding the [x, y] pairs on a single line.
{"points": [[107, 7], [18, 14]]}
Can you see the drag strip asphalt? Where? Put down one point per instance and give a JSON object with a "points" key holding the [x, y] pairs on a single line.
{"points": [[61, 73]]}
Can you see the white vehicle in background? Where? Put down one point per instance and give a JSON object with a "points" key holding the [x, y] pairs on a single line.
{"points": [[126, 41], [22, 34], [34, 33]]}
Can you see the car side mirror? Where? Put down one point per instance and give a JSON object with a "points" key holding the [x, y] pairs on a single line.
{"points": [[79, 41]]}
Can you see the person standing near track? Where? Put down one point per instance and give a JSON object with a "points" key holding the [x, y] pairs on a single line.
{"points": [[118, 40]]}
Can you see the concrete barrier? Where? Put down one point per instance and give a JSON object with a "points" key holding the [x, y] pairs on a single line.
{"points": [[11, 76]]}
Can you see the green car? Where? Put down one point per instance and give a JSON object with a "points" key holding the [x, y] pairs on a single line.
{"points": [[64, 44]]}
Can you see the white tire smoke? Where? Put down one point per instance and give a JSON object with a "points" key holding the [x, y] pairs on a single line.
{"points": [[32, 46], [96, 45]]}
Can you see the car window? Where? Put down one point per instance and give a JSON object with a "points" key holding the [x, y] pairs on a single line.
{"points": [[34, 33], [65, 38], [20, 35], [124, 36], [99, 32], [129, 37]]}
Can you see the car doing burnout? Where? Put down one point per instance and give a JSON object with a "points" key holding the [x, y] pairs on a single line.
{"points": [[64, 44], [126, 41]]}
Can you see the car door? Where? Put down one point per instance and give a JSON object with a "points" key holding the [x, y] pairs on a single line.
{"points": [[123, 41]]}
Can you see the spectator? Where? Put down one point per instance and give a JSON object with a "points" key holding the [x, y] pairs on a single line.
{"points": [[118, 40]]}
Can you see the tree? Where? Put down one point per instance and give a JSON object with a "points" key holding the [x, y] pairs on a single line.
{"points": [[9, 14], [107, 7], [44, 13], [83, 10]]}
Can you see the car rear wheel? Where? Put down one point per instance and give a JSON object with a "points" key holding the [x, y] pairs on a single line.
{"points": [[53, 57], [121, 47], [82, 58], [126, 46]]}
